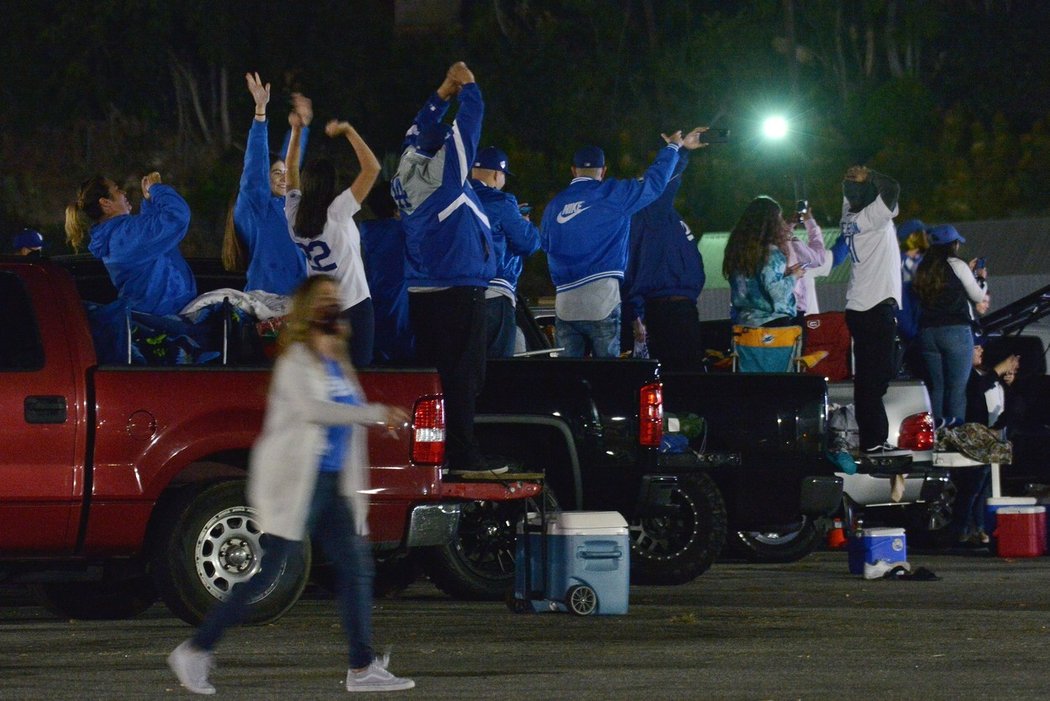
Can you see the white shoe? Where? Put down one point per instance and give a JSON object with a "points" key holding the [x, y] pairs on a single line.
{"points": [[192, 666], [376, 678]]}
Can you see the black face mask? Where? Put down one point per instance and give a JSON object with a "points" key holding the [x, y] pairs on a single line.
{"points": [[327, 320], [859, 195]]}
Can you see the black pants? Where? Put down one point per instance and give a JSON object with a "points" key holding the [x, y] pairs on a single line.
{"points": [[673, 326], [875, 363], [449, 326]]}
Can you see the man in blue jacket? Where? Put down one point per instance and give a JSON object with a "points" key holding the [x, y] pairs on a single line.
{"points": [[449, 256], [514, 238], [665, 274], [585, 233]]}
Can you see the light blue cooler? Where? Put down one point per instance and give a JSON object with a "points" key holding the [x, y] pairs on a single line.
{"points": [[874, 544], [587, 567]]}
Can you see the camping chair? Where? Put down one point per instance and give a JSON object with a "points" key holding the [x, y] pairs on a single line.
{"points": [[771, 349]]}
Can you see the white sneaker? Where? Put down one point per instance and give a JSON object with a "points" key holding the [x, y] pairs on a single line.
{"points": [[376, 678], [191, 666]]}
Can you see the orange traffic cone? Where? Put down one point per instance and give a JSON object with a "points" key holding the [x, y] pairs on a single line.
{"points": [[836, 535]]}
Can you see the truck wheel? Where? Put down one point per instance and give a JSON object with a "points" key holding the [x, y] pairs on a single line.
{"points": [[207, 541], [97, 601], [680, 545], [478, 565], [776, 546]]}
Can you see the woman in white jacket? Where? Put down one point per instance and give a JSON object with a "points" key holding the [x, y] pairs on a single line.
{"points": [[308, 474]]}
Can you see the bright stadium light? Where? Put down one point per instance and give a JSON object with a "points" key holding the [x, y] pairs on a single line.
{"points": [[775, 128]]}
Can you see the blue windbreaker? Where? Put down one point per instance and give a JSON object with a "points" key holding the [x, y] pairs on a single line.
{"points": [[664, 259], [448, 240], [275, 263], [383, 253], [141, 253], [514, 238], [586, 226]]}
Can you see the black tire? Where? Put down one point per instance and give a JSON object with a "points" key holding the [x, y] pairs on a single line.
{"points": [[97, 601], [206, 541], [788, 545], [581, 600], [478, 565], [677, 547]]}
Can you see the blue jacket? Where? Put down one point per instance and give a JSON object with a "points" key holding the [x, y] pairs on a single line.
{"points": [[514, 238], [275, 264], [141, 253], [586, 226], [664, 259], [448, 240], [383, 253]]}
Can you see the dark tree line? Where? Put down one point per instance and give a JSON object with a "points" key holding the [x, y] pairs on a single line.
{"points": [[950, 96]]}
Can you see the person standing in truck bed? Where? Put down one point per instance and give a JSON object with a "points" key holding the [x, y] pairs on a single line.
{"points": [[309, 474]]}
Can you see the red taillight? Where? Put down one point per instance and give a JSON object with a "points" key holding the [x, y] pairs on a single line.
{"points": [[917, 432], [428, 431], [651, 415]]}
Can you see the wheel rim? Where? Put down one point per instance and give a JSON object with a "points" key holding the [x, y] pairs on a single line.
{"points": [[228, 551], [486, 539], [583, 600], [665, 537]]}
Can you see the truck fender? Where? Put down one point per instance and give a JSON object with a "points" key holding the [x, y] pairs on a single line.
{"points": [[561, 429]]}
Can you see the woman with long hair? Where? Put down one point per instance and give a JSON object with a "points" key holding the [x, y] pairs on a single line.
{"points": [[140, 251], [256, 235], [761, 282], [949, 293], [322, 223], [309, 474]]}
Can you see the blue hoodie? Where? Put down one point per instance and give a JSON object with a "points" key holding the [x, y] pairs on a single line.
{"points": [[141, 253], [664, 258], [383, 253], [448, 240], [275, 263], [514, 238], [586, 226]]}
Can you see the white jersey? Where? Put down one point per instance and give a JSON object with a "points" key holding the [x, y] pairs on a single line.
{"points": [[337, 251], [875, 273]]}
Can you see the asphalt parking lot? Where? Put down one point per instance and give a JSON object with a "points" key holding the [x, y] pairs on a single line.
{"points": [[807, 630]]}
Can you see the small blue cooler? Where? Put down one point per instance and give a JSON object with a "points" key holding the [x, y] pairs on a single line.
{"points": [[588, 564], [874, 544]]}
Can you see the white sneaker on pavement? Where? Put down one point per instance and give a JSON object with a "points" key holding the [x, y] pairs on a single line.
{"points": [[192, 666], [375, 677]]}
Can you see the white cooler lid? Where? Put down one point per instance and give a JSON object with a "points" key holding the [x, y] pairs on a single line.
{"points": [[1020, 510], [587, 523], [883, 532], [1011, 501]]}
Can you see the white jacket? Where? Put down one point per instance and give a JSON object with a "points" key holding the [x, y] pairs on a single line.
{"points": [[285, 459]]}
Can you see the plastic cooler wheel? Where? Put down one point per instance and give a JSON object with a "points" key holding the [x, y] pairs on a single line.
{"points": [[581, 600]]}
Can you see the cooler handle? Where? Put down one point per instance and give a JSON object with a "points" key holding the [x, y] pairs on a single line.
{"points": [[600, 555]]}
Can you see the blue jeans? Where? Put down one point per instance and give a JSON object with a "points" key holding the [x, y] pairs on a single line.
{"points": [[948, 353], [331, 523], [603, 336]]}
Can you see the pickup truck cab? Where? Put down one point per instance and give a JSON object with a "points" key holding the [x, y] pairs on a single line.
{"points": [[121, 482]]}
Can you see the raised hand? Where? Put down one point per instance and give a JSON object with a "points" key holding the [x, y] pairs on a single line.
{"points": [[148, 181], [260, 93], [692, 139], [675, 138], [460, 73], [336, 128]]}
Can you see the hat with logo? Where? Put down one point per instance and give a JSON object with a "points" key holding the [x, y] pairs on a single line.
{"points": [[589, 157], [908, 228], [491, 158], [29, 239], [944, 234]]}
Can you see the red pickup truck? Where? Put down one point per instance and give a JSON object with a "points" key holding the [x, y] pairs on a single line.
{"points": [[120, 483]]}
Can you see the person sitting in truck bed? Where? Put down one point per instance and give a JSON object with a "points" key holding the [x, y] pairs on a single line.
{"points": [[140, 252]]}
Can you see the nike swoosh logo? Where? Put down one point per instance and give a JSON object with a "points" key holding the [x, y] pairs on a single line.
{"points": [[562, 218]]}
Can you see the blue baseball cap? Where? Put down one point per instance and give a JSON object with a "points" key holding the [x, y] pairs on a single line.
{"points": [[589, 157], [909, 227], [491, 158], [944, 234], [29, 239]]}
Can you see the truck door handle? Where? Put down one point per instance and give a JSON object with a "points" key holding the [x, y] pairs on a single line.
{"points": [[49, 409]]}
